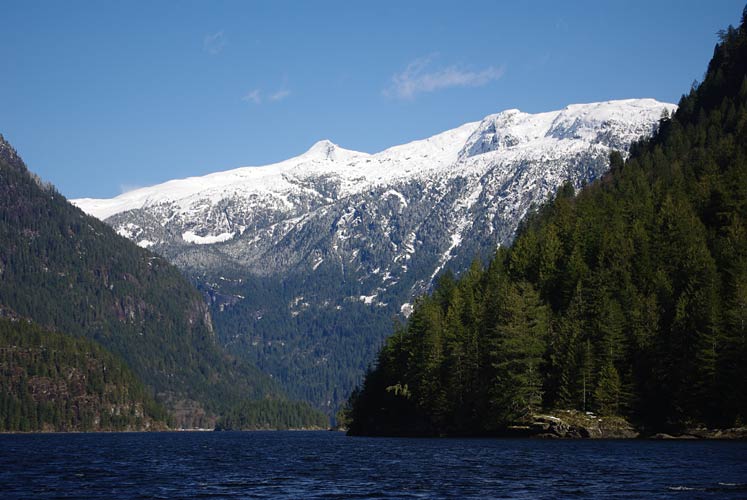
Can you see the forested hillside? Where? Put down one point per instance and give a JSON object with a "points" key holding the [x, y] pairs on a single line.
{"points": [[54, 382], [628, 298], [73, 274], [276, 415]]}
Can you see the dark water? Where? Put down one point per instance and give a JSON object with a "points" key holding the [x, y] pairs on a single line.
{"points": [[331, 465]]}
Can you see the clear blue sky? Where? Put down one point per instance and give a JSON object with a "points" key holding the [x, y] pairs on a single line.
{"points": [[99, 97]]}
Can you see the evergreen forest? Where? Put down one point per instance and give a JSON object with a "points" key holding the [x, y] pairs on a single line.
{"points": [[71, 273], [54, 382], [627, 298]]}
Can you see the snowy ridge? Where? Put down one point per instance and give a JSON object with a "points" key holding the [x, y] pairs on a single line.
{"points": [[354, 170], [510, 132], [414, 204]]}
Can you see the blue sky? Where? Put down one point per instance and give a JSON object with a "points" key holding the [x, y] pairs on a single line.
{"points": [[101, 97]]}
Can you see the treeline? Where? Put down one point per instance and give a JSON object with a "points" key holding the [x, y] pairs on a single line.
{"points": [[276, 415], [629, 298], [53, 382]]}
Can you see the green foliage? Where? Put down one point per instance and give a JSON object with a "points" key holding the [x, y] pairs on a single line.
{"points": [[628, 298], [517, 344], [317, 355], [53, 382], [72, 273], [266, 414], [608, 390]]}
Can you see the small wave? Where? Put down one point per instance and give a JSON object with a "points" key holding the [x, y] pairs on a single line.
{"points": [[731, 487], [720, 487], [684, 488]]}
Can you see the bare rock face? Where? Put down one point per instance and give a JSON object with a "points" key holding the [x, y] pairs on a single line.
{"points": [[571, 424]]}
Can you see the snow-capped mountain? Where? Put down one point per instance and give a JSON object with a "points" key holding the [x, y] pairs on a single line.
{"points": [[335, 232]]}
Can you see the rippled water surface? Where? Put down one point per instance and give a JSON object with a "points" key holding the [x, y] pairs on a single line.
{"points": [[331, 465]]}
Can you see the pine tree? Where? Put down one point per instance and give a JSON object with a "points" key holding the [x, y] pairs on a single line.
{"points": [[519, 343]]}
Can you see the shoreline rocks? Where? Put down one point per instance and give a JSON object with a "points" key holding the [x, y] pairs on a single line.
{"points": [[570, 424], [573, 424]]}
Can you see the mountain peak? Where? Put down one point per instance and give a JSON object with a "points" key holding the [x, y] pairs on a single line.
{"points": [[322, 150], [334, 172], [326, 150], [592, 122]]}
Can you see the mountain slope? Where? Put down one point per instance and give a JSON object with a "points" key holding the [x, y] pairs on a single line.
{"points": [[627, 299], [72, 273], [307, 261], [53, 382], [506, 161]]}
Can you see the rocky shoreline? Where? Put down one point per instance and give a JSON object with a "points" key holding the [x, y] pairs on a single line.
{"points": [[570, 424]]}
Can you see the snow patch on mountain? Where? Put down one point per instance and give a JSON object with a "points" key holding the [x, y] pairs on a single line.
{"points": [[192, 237]]}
